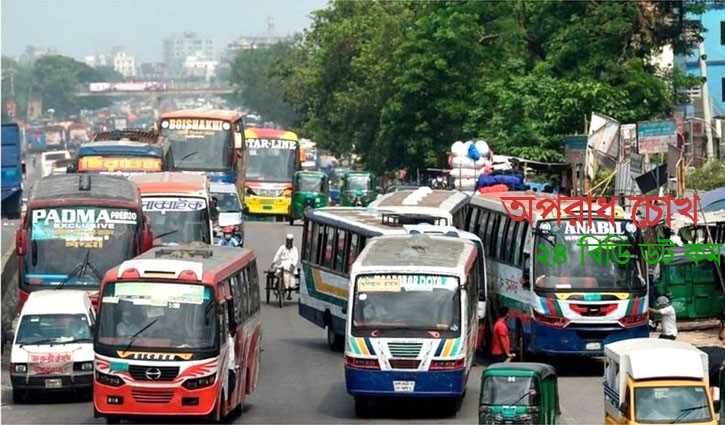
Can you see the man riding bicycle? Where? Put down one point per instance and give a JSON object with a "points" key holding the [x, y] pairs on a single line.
{"points": [[285, 263]]}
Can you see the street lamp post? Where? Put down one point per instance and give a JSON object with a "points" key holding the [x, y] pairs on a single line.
{"points": [[706, 100]]}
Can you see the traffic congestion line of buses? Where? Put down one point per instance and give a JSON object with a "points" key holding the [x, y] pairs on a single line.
{"points": [[408, 287]]}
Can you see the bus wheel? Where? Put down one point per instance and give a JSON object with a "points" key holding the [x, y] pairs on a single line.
{"points": [[362, 407], [334, 341], [519, 338], [452, 405]]}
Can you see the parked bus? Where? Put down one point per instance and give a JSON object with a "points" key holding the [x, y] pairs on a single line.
{"points": [[331, 240], [449, 205], [274, 158], [178, 206], [168, 324], [566, 308], [412, 319], [207, 142], [124, 152], [76, 228]]}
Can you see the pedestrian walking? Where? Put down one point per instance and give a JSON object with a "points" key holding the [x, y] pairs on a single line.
{"points": [[669, 318], [501, 343]]}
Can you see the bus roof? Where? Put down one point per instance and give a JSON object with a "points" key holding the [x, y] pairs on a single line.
{"points": [[365, 220], [269, 133], [419, 251], [60, 187], [134, 135], [208, 262], [170, 181], [422, 197], [214, 114], [119, 146]]}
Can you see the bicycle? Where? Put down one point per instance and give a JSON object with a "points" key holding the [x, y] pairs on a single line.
{"points": [[275, 284]]}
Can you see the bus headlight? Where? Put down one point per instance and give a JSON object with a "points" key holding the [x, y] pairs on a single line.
{"points": [[195, 384], [287, 193], [110, 380]]}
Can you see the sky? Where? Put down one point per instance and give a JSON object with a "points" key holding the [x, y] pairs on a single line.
{"points": [[78, 28]]}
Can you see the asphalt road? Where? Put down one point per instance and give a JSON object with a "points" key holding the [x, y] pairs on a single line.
{"points": [[301, 381]]}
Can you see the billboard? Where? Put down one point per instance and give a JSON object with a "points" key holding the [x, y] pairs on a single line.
{"points": [[655, 136]]}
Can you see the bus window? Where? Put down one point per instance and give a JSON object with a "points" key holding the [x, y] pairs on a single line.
{"points": [[501, 239], [518, 242], [340, 251], [329, 247], [488, 236], [318, 244], [352, 255], [473, 220]]}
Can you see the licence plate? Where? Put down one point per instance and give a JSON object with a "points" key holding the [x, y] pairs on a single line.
{"points": [[266, 201], [266, 207], [404, 386], [593, 346], [53, 383]]}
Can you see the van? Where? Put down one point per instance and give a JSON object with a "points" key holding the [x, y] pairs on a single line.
{"points": [[53, 345], [48, 159], [231, 209]]}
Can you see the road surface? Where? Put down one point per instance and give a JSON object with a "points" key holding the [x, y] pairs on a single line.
{"points": [[301, 381]]}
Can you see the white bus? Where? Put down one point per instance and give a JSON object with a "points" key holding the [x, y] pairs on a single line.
{"points": [[449, 205], [412, 319], [331, 240], [573, 307]]}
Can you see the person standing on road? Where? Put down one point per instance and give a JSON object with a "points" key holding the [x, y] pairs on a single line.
{"points": [[669, 318], [500, 341]]}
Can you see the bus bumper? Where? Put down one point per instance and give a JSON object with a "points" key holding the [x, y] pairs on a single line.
{"points": [[585, 341], [130, 400], [267, 205], [376, 383]]}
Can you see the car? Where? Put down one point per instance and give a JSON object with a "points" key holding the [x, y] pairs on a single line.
{"points": [[230, 207]]}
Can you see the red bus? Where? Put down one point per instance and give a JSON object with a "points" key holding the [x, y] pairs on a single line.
{"points": [[178, 334], [75, 229]]}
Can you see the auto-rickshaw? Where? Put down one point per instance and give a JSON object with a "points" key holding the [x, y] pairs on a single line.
{"points": [[359, 188], [519, 393], [311, 189]]}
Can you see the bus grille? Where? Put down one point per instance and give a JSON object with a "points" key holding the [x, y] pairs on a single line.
{"points": [[153, 373], [158, 397], [404, 363], [272, 193], [406, 350]]}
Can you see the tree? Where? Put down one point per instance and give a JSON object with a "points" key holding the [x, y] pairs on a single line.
{"points": [[254, 73]]}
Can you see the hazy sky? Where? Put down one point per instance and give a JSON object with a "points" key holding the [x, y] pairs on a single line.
{"points": [[83, 27]]}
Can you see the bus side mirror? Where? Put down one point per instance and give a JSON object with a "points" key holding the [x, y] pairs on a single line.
{"points": [[21, 240], [624, 408]]}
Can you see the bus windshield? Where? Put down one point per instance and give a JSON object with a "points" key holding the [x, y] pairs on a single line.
{"points": [[77, 245], [159, 314], [273, 161], [404, 304], [178, 220], [586, 265], [207, 149]]}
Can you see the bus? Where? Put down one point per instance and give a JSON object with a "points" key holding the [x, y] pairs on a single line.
{"points": [[76, 227], [124, 153], [274, 158], [412, 320], [178, 206], [332, 237], [569, 308], [449, 205], [207, 142], [171, 323]]}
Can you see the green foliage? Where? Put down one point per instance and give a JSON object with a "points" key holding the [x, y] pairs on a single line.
{"points": [[255, 75], [398, 82], [55, 79], [709, 177]]}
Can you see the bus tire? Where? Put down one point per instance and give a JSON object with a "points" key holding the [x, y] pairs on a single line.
{"points": [[452, 405], [362, 407], [519, 338], [334, 341]]}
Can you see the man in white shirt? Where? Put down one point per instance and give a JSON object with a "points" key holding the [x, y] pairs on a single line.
{"points": [[669, 319], [286, 258]]}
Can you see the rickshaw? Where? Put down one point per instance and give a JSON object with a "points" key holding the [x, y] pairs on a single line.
{"points": [[359, 188], [311, 190], [275, 285], [519, 393]]}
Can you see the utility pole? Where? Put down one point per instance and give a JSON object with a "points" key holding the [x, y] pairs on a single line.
{"points": [[707, 112], [10, 105]]}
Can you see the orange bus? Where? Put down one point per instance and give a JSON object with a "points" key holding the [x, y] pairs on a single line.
{"points": [[207, 142], [178, 334]]}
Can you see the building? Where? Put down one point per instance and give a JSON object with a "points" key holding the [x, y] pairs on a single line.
{"points": [[124, 64], [178, 47], [95, 61], [200, 68]]}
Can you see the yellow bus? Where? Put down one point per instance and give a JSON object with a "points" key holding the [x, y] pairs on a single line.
{"points": [[274, 157]]}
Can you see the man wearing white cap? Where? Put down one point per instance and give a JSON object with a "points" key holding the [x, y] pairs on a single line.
{"points": [[286, 260]]}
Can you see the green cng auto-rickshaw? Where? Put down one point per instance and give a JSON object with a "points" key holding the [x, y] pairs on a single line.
{"points": [[358, 189], [519, 393], [311, 189]]}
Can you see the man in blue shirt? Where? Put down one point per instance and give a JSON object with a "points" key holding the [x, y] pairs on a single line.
{"points": [[228, 239]]}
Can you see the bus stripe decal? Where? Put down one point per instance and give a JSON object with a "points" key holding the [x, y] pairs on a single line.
{"points": [[323, 287], [353, 346], [369, 346], [630, 307], [447, 348], [556, 307], [544, 306], [363, 348], [440, 348], [456, 347]]}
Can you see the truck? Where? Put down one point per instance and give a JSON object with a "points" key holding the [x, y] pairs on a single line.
{"points": [[13, 170], [649, 380]]}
